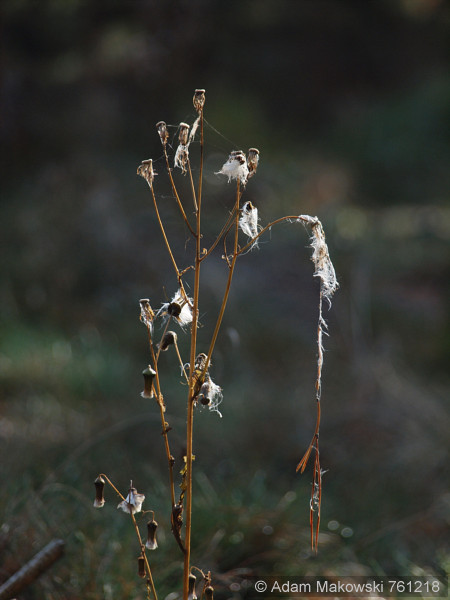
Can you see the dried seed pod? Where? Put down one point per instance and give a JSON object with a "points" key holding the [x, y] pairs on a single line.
{"points": [[169, 338], [151, 543], [199, 100], [133, 502], [99, 489], [147, 314], [191, 590], [149, 375], [141, 567], [174, 309], [199, 372], [146, 171], [252, 161], [163, 132], [184, 134], [209, 592]]}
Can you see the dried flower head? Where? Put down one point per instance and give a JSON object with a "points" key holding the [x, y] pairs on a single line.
{"points": [[141, 567], [324, 268], [183, 134], [149, 375], [133, 502], [191, 590], [163, 132], [248, 221], [169, 338], [99, 489], [209, 592], [146, 171], [210, 395], [180, 308], [252, 161], [235, 167], [199, 100], [147, 314], [151, 543]]}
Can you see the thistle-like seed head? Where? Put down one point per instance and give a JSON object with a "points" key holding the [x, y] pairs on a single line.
{"points": [[235, 167], [163, 132], [169, 338], [184, 134], [151, 543], [99, 489], [141, 567], [199, 100], [146, 171], [149, 375]]}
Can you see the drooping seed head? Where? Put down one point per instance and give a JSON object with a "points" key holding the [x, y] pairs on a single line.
{"points": [[99, 489], [133, 502], [149, 375], [191, 590], [163, 132], [151, 543], [199, 100], [209, 592], [169, 338], [141, 567], [147, 314]]}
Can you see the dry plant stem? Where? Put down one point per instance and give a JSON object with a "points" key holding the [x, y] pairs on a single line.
{"points": [[174, 189], [224, 231], [230, 277], [190, 403], [163, 231], [144, 556], [109, 482], [269, 226], [163, 420]]}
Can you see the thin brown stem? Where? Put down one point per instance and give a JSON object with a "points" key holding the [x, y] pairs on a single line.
{"points": [[144, 556], [269, 226], [224, 231], [174, 189], [190, 402]]}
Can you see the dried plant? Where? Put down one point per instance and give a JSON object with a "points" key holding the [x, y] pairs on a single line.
{"points": [[183, 310]]}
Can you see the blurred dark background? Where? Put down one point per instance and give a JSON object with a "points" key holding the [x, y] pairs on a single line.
{"points": [[349, 104]]}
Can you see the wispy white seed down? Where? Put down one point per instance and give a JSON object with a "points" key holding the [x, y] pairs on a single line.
{"points": [[324, 268], [132, 503], [185, 316], [235, 168], [248, 221]]}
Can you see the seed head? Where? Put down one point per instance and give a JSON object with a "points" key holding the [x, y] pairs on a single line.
{"points": [[210, 395], [179, 308], [133, 502], [184, 133], [146, 171], [99, 489], [191, 590], [169, 338], [151, 543], [248, 221], [141, 567], [199, 100], [163, 132], [235, 167], [147, 314], [209, 592], [252, 161], [149, 375]]}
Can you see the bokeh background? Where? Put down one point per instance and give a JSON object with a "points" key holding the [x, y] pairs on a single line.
{"points": [[349, 104]]}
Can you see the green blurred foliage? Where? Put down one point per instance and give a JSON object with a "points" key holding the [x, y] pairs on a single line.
{"points": [[348, 102]]}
